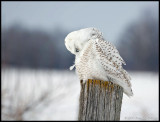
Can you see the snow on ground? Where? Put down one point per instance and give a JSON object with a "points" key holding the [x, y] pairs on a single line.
{"points": [[23, 87], [144, 104]]}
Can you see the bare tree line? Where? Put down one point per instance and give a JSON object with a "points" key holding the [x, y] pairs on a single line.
{"points": [[139, 44], [34, 49]]}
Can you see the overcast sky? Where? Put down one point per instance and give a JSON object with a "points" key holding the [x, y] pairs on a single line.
{"points": [[111, 18]]}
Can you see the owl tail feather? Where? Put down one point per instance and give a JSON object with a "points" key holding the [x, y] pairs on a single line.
{"points": [[128, 91]]}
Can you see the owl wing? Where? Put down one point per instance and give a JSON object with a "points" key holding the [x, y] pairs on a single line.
{"points": [[111, 51], [111, 61]]}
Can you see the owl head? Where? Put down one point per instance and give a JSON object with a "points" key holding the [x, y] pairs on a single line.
{"points": [[76, 40]]}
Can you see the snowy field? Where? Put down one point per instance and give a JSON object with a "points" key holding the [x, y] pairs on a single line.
{"points": [[54, 95]]}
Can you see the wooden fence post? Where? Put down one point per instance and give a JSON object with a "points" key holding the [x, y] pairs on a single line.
{"points": [[100, 100]]}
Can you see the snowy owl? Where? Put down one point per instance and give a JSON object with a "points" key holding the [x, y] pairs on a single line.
{"points": [[96, 58]]}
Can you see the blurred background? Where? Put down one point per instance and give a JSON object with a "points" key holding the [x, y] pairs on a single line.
{"points": [[34, 57]]}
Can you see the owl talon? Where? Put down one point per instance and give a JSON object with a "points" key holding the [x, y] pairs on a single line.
{"points": [[72, 67]]}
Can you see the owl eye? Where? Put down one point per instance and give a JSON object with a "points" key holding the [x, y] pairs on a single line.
{"points": [[93, 34], [77, 50]]}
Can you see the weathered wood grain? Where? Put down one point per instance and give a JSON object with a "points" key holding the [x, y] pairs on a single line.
{"points": [[100, 100]]}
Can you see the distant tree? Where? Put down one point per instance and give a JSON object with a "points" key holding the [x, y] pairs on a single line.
{"points": [[139, 43], [34, 49], [64, 58]]}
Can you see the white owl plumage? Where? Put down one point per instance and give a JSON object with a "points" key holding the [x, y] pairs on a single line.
{"points": [[96, 58]]}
